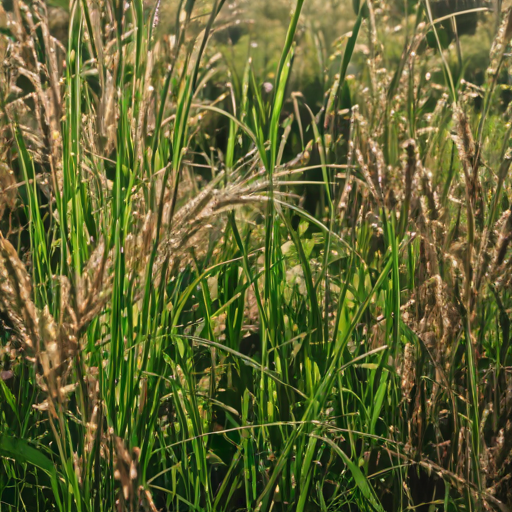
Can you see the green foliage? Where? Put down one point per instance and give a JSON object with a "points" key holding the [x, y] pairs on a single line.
{"points": [[219, 295]]}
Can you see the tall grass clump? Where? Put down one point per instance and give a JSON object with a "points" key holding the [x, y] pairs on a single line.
{"points": [[216, 295]]}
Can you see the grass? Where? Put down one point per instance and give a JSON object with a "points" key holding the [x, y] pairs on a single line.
{"points": [[193, 318]]}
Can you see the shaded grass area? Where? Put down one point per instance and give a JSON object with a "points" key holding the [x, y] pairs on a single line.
{"points": [[216, 297]]}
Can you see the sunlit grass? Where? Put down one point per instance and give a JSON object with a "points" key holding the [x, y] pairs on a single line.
{"points": [[216, 297]]}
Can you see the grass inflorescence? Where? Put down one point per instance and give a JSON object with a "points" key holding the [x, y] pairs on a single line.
{"points": [[221, 293]]}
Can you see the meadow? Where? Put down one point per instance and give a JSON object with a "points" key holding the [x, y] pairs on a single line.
{"points": [[255, 256]]}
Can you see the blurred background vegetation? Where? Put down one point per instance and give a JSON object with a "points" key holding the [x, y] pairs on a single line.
{"points": [[256, 29]]}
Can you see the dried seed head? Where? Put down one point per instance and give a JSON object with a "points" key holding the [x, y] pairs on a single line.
{"points": [[408, 371], [464, 139], [500, 44], [7, 189], [15, 295], [410, 166], [504, 240]]}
